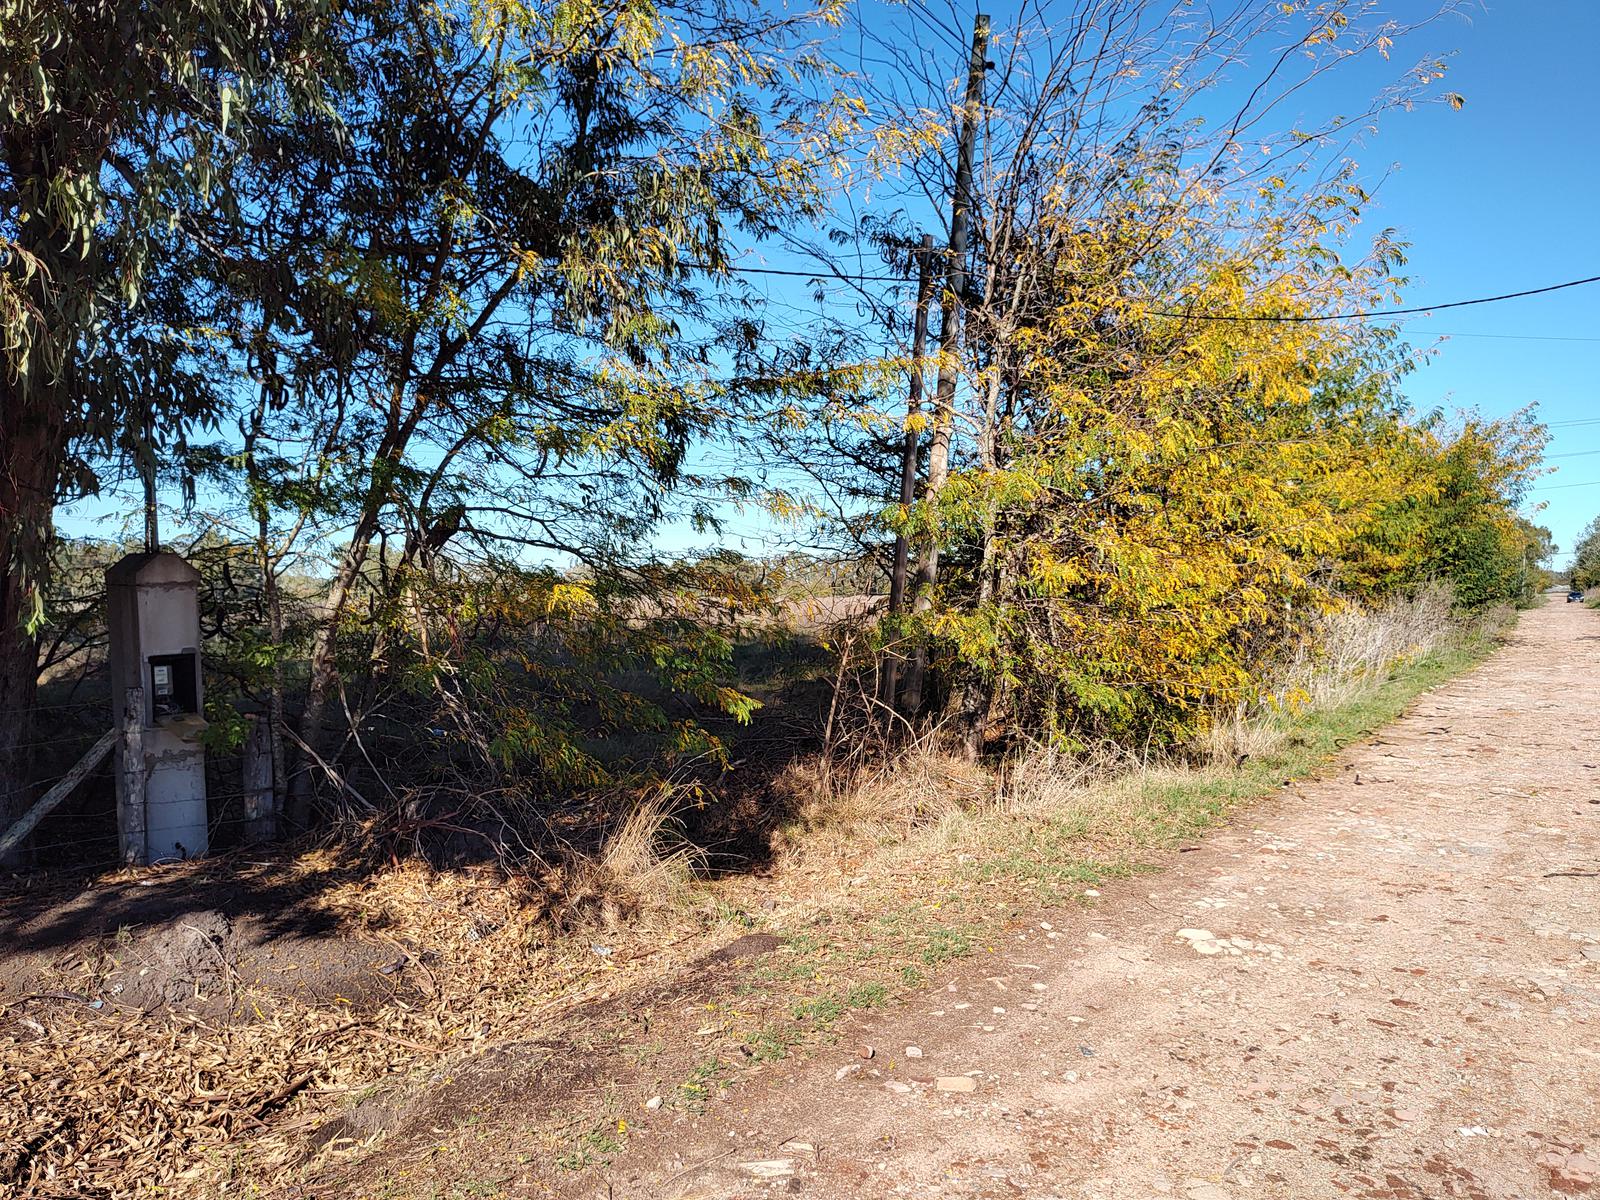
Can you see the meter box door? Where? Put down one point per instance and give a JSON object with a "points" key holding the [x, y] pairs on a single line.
{"points": [[153, 616]]}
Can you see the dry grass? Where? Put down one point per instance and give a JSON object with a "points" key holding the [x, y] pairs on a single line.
{"points": [[920, 788], [1348, 653], [1108, 796]]}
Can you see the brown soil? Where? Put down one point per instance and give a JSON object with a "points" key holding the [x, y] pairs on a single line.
{"points": [[1384, 985], [190, 939]]}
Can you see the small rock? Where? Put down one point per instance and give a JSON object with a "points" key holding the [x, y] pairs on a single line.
{"points": [[913, 1051], [956, 1083], [653, 1103], [845, 1072], [1086, 1051], [894, 1085], [866, 1052]]}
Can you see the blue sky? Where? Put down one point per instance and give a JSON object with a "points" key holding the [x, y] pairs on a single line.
{"points": [[1500, 197]]}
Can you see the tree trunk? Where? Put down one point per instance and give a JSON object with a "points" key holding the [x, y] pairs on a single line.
{"points": [[31, 444], [944, 396], [898, 578], [977, 692], [324, 671]]}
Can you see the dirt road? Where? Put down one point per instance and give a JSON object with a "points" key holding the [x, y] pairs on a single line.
{"points": [[1385, 985]]}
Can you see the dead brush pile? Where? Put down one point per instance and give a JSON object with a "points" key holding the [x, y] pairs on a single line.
{"points": [[102, 1100]]}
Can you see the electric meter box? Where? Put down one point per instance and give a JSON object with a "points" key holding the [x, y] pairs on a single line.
{"points": [[153, 617]]}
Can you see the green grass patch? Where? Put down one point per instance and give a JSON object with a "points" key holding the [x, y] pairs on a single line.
{"points": [[772, 1042], [705, 1081], [867, 995], [821, 1011], [593, 1149]]}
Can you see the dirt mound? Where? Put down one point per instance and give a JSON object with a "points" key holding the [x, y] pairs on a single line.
{"points": [[188, 961]]}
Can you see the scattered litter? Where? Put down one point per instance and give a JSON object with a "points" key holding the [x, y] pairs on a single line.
{"points": [[769, 1168]]}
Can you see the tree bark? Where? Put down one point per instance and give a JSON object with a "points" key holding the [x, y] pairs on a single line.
{"points": [[890, 679], [31, 445], [324, 670], [977, 692], [944, 397]]}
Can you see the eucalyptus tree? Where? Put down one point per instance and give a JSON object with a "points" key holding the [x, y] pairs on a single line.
{"points": [[477, 302], [117, 119]]}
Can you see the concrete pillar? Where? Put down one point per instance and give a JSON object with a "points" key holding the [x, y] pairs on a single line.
{"points": [[153, 616]]}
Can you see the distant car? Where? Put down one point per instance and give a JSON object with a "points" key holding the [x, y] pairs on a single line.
{"points": [[1574, 594]]}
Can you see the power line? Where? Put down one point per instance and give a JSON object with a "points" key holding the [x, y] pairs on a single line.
{"points": [[1385, 312], [1511, 337], [1234, 317], [1573, 454], [1551, 487]]}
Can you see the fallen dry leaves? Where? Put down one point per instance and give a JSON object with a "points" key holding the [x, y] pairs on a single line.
{"points": [[114, 1102]]}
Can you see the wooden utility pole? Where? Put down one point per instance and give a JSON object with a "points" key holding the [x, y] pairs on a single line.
{"points": [[147, 474], [890, 686], [944, 396], [260, 795]]}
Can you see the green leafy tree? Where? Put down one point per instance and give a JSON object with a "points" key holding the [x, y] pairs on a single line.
{"points": [[472, 301], [116, 122], [1586, 557]]}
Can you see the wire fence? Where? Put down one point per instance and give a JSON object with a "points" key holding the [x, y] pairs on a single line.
{"points": [[82, 830]]}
